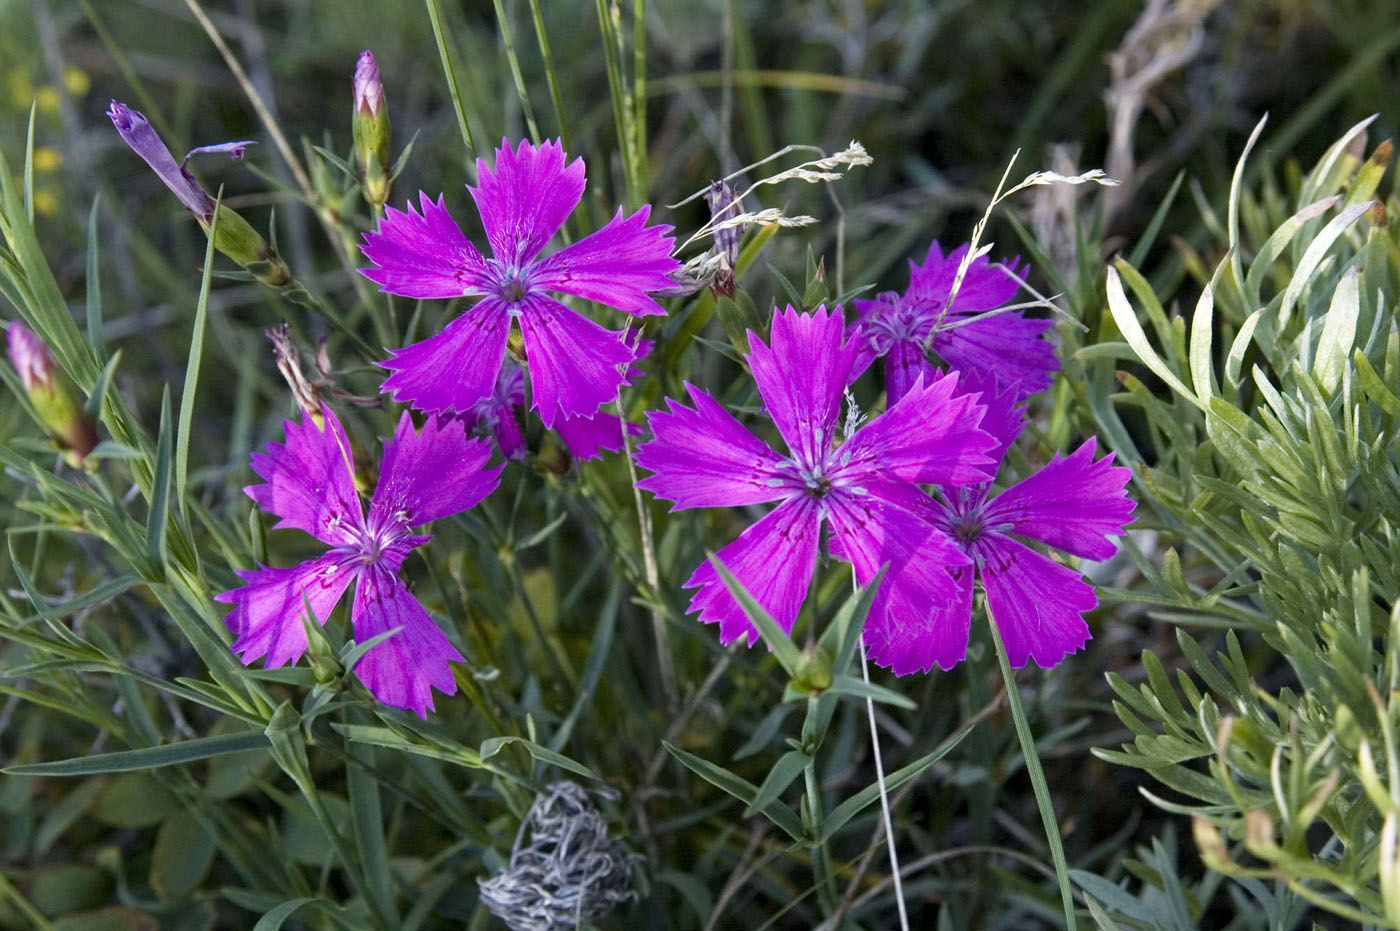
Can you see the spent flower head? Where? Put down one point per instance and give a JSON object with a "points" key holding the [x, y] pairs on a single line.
{"points": [[309, 483], [575, 365], [568, 874], [865, 488]]}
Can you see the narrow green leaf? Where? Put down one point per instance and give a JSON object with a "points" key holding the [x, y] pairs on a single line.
{"points": [[1313, 256], [784, 650], [94, 286], [859, 688], [788, 768], [1127, 321], [1278, 241], [160, 492], [1374, 387], [838, 816], [1236, 186], [1239, 346], [29, 164], [1338, 331], [201, 316], [367, 824], [542, 754], [737, 786], [186, 751], [272, 920], [1202, 330], [99, 396]]}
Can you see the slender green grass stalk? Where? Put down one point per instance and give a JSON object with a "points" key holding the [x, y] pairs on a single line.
{"points": [[551, 75], [1036, 773], [634, 173], [508, 40], [454, 90]]}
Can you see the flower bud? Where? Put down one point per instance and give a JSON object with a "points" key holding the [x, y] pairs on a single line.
{"points": [[53, 394], [370, 123], [724, 206], [234, 237], [813, 674]]}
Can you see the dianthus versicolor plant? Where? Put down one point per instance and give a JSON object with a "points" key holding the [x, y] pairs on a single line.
{"points": [[613, 492]]}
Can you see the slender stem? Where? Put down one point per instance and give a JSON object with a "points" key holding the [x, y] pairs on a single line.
{"points": [[280, 141], [821, 864], [508, 40], [551, 76], [884, 795], [664, 662], [453, 89], [1033, 768]]}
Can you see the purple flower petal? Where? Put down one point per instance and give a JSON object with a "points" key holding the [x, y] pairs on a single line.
{"points": [[268, 610], [423, 255], [573, 361], [915, 639], [403, 670], [774, 559], [309, 481], [1004, 419], [932, 435], [890, 524], [526, 198], [1006, 347], [703, 457], [801, 376], [617, 265], [454, 369], [587, 437], [905, 365], [983, 287], [1073, 504], [430, 474], [1037, 603]]}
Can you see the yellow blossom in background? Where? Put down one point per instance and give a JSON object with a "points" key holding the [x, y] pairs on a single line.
{"points": [[76, 80], [45, 203], [18, 87], [47, 99], [47, 158]]}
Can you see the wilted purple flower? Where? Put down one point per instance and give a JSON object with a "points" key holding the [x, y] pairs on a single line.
{"points": [[233, 236], [309, 483], [137, 132], [724, 205], [574, 363], [866, 488], [1006, 347], [1073, 504]]}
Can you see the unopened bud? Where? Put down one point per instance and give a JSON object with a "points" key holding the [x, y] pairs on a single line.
{"points": [[53, 394], [740, 317], [1214, 854], [370, 124], [813, 673]]}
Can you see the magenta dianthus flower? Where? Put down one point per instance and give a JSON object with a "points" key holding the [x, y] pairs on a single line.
{"points": [[866, 488], [1073, 504], [309, 483], [1005, 348], [574, 364]]}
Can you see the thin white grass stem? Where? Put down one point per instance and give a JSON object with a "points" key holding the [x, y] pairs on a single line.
{"points": [[1037, 775], [884, 797]]}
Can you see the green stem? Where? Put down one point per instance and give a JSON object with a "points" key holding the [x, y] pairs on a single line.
{"points": [[821, 864], [1033, 768], [551, 76], [508, 39], [460, 108]]}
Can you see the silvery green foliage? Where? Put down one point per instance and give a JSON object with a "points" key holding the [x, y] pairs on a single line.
{"points": [[567, 873], [1264, 447]]}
